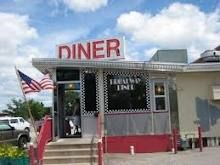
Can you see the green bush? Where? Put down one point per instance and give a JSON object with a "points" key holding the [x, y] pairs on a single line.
{"points": [[10, 155], [8, 151]]}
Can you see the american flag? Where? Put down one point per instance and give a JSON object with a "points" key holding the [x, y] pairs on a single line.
{"points": [[46, 82], [28, 84]]}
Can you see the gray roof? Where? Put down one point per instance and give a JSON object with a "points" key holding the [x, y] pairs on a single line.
{"points": [[46, 64], [170, 55]]}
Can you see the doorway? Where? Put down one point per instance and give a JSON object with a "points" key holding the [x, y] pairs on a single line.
{"points": [[70, 112]]}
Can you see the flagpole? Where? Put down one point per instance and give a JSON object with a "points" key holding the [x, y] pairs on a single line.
{"points": [[28, 106]]}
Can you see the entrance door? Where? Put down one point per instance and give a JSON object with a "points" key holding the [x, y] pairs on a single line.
{"points": [[70, 123]]}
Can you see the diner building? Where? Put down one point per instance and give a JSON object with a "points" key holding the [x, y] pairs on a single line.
{"points": [[141, 101]]}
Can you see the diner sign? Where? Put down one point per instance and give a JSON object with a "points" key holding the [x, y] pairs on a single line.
{"points": [[99, 49], [126, 92], [124, 83]]}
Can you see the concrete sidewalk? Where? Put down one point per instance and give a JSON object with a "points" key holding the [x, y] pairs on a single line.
{"points": [[210, 156]]}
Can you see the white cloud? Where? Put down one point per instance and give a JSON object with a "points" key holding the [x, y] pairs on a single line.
{"points": [[44, 96], [15, 31], [15, 36], [85, 5], [48, 43], [178, 26], [16, 49]]}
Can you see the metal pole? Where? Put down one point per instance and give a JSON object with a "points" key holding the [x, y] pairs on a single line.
{"points": [[106, 143], [101, 100], [174, 141], [28, 106], [53, 113], [200, 138], [167, 94], [102, 117], [100, 152], [152, 107]]}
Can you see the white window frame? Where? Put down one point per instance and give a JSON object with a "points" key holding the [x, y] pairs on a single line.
{"points": [[160, 96]]}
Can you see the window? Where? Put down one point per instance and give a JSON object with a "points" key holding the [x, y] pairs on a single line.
{"points": [[4, 127], [67, 75], [90, 92], [159, 96], [72, 86], [4, 121], [13, 121], [21, 120], [126, 92]]}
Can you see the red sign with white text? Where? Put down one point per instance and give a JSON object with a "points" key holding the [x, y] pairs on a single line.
{"points": [[99, 49]]}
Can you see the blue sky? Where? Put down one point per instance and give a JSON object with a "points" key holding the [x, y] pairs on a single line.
{"points": [[33, 28]]}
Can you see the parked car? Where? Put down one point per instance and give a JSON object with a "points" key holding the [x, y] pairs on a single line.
{"points": [[17, 122], [9, 135]]}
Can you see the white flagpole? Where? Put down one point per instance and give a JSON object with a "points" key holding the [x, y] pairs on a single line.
{"points": [[28, 106]]}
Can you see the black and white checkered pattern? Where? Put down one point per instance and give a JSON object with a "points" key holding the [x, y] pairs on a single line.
{"points": [[112, 72], [127, 73], [82, 75]]}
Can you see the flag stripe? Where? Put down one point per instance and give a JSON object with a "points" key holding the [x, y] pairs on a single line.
{"points": [[46, 83], [36, 84], [28, 89], [28, 84]]}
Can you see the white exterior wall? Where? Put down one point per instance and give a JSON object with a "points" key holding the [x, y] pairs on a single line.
{"points": [[195, 103]]}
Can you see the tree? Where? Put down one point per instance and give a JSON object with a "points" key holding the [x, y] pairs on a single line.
{"points": [[70, 99], [20, 108]]}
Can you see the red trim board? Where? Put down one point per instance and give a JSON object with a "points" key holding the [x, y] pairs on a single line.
{"points": [[141, 143]]}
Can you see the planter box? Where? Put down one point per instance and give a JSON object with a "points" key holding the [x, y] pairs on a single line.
{"points": [[16, 161]]}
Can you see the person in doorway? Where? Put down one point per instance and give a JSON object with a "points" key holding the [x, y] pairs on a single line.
{"points": [[76, 116]]}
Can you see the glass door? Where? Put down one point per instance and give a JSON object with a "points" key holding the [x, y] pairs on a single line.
{"points": [[69, 109], [72, 113]]}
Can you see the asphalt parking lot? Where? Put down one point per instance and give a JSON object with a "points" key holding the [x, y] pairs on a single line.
{"points": [[209, 156]]}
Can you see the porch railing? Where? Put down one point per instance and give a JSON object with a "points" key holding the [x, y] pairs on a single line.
{"points": [[44, 137], [98, 126], [100, 141]]}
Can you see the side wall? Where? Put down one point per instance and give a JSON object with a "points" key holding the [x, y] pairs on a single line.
{"points": [[147, 129], [195, 103]]}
